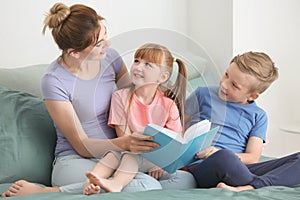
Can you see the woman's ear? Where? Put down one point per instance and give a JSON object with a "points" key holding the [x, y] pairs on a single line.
{"points": [[73, 53], [164, 77]]}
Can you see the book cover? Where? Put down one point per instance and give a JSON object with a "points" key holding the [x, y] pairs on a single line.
{"points": [[176, 151]]}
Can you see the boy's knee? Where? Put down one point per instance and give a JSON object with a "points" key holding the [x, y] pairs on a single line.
{"points": [[224, 156], [224, 153], [222, 159]]}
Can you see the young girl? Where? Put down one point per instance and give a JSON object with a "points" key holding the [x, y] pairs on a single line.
{"points": [[148, 100]]}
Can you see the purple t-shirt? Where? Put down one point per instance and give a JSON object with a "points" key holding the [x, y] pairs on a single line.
{"points": [[90, 98]]}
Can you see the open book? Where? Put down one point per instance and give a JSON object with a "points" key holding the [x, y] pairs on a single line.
{"points": [[176, 151]]}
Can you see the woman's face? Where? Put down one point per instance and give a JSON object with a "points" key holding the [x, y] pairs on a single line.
{"points": [[98, 51]]}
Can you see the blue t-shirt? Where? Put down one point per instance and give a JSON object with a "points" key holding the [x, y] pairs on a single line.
{"points": [[237, 122], [90, 98]]}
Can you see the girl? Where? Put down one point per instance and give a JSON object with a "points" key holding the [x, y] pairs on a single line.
{"points": [[148, 100]]}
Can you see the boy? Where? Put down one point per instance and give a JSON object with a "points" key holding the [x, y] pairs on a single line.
{"points": [[229, 163]]}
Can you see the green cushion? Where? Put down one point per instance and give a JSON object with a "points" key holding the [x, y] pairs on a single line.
{"points": [[27, 138], [27, 79]]}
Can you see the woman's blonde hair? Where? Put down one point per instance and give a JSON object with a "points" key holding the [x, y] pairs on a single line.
{"points": [[75, 27], [259, 65]]}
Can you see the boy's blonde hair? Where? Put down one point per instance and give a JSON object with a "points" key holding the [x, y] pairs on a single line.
{"points": [[259, 65]]}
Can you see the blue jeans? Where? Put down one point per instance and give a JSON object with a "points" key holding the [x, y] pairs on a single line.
{"points": [[69, 175], [225, 166]]}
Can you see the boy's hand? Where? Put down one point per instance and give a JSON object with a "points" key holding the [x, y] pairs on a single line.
{"points": [[156, 172], [205, 153]]}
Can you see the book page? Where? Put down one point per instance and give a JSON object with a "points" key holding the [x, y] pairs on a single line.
{"points": [[172, 134], [197, 129]]}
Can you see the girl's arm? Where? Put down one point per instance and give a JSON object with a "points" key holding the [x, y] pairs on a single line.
{"points": [[253, 151], [122, 130], [65, 118], [122, 80]]}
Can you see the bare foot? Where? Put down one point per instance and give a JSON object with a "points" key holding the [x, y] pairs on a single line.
{"points": [[22, 187], [106, 184], [90, 188], [235, 189]]}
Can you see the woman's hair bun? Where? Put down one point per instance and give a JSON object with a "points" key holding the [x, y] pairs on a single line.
{"points": [[58, 13]]}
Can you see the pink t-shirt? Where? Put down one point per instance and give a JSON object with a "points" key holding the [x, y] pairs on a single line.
{"points": [[162, 111]]}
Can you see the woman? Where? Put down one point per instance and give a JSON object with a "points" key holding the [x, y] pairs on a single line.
{"points": [[77, 89]]}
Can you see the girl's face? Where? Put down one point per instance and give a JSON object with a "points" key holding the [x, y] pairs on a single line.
{"points": [[235, 86], [145, 73], [98, 50]]}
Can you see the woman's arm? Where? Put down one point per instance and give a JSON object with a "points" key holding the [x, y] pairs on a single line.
{"points": [[66, 119], [123, 79], [253, 151]]}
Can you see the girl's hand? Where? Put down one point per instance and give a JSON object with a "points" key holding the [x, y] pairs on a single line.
{"points": [[205, 153], [139, 143], [156, 172]]}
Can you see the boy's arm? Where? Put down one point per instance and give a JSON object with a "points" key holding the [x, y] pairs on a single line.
{"points": [[252, 154], [253, 151], [192, 110]]}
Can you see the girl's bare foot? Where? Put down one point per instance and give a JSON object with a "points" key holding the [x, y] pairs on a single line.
{"points": [[106, 184], [90, 188], [22, 187], [235, 189]]}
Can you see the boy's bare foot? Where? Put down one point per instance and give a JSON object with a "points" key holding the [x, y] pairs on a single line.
{"points": [[235, 189], [106, 184], [22, 187], [223, 185]]}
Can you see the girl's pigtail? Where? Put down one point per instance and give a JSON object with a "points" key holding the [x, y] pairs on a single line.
{"points": [[129, 102], [177, 92]]}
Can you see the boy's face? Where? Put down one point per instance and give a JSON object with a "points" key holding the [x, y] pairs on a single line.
{"points": [[235, 86]]}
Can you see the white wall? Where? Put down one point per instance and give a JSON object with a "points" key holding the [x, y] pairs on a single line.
{"points": [[210, 24], [222, 28], [21, 22], [273, 26]]}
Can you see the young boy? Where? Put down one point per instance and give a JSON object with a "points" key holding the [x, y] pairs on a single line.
{"points": [[229, 163]]}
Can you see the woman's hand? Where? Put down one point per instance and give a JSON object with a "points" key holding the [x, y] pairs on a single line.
{"points": [[156, 172], [139, 143], [205, 153]]}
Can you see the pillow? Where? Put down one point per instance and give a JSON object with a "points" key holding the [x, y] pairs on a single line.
{"points": [[27, 138], [25, 79]]}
